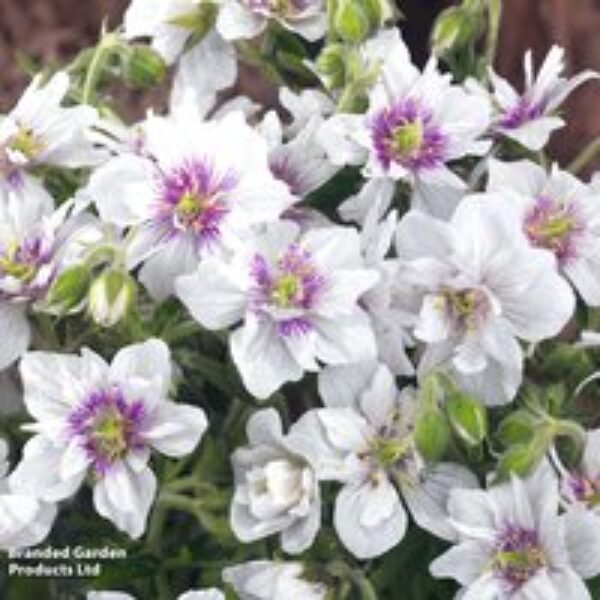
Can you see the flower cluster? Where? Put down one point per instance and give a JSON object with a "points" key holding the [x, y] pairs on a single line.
{"points": [[303, 350]]}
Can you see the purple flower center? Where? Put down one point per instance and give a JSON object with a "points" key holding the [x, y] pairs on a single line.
{"points": [[578, 488], [283, 290], [108, 426], [406, 134], [522, 112], [25, 268], [518, 556], [193, 201], [555, 226]]}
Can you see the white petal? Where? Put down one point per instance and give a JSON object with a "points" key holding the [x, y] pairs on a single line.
{"points": [[14, 333], [582, 537], [465, 562]]}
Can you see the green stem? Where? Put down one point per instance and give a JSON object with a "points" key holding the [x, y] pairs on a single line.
{"points": [[587, 155], [92, 77], [494, 12], [180, 332]]}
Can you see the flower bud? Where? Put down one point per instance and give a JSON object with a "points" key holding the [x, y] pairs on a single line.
{"points": [[111, 297], [468, 418], [379, 11], [431, 434], [452, 29], [517, 428], [69, 289], [143, 67], [331, 66], [351, 21]]}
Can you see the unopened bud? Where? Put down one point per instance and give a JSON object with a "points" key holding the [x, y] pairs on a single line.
{"points": [[111, 297], [69, 289], [143, 67], [331, 66], [431, 434], [468, 418], [452, 29], [351, 21]]}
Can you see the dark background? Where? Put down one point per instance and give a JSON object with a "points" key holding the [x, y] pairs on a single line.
{"points": [[54, 30]]}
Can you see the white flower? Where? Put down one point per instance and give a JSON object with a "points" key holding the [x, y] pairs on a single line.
{"points": [[208, 594], [557, 212], [297, 295], [367, 444], [24, 521], [192, 194], [582, 486], [416, 123], [530, 117], [32, 241], [39, 131], [243, 19], [480, 287], [390, 317], [514, 545], [103, 419], [298, 161], [268, 580], [276, 487]]}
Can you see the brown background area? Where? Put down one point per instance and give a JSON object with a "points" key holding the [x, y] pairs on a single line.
{"points": [[54, 30]]}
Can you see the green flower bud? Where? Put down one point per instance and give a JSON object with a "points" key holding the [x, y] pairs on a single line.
{"points": [[69, 289], [331, 66], [520, 459], [517, 428], [143, 67], [431, 434], [468, 418], [452, 29], [351, 21], [379, 11], [111, 297]]}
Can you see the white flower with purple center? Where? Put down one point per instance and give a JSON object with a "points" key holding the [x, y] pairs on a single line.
{"points": [[39, 131], [557, 212], [581, 486], [29, 246], [416, 124], [103, 420], [244, 19], [364, 438], [513, 544], [530, 117], [477, 287], [207, 594], [24, 521], [198, 188], [297, 296]]}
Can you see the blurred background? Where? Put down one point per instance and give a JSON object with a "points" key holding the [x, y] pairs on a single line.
{"points": [[51, 31]]}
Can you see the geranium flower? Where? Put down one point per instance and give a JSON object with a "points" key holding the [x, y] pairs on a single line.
{"points": [[557, 212], [366, 442], [276, 486], [24, 521], [243, 19], [103, 420], [513, 544], [530, 117], [192, 194], [40, 131], [270, 580], [480, 287], [416, 123], [297, 298]]}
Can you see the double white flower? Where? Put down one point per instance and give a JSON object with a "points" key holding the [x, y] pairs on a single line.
{"points": [[554, 211], [276, 486], [103, 420], [296, 296], [365, 440], [417, 122], [513, 544], [478, 288]]}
